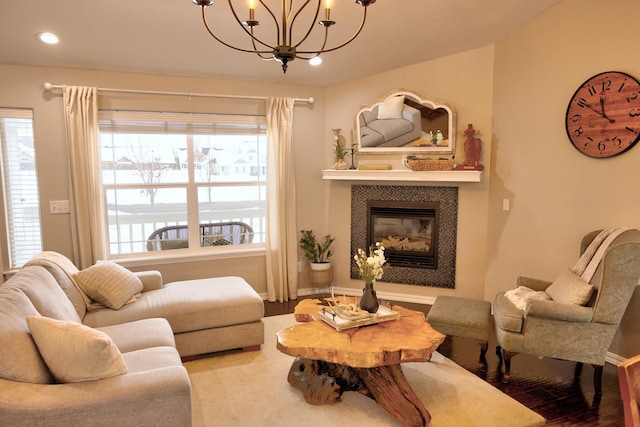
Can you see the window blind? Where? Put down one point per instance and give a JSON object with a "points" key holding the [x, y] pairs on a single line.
{"points": [[20, 186], [180, 123]]}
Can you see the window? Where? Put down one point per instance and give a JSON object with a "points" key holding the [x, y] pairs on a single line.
{"points": [[19, 187], [182, 181]]}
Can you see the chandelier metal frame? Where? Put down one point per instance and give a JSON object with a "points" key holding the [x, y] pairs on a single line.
{"points": [[284, 50]]}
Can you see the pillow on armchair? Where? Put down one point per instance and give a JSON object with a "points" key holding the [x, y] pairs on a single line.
{"points": [[569, 288]]}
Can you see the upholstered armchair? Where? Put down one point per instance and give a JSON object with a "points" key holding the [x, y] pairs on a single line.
{"points": [[579, 331]]}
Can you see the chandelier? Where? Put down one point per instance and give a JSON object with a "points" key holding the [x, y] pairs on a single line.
{"points": [[283, 48]]}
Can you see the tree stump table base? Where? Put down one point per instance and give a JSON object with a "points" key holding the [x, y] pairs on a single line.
{"points": [[324, 382]]}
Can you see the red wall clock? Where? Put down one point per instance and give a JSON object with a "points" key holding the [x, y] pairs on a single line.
{"points": [[603, 116]]}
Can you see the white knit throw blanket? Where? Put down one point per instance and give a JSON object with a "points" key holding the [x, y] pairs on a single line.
{"points": [[585, 267], [590, 259]]}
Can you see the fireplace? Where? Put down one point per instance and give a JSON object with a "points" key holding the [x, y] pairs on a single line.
{"points": [[407, 230], [423, 217]]}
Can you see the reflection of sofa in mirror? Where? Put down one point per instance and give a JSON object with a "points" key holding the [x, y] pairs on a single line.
{"points": [[389, 132], [404, 122]]}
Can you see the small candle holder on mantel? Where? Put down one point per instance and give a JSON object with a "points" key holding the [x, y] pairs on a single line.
{"points": [[353, 157], [353, 152]]}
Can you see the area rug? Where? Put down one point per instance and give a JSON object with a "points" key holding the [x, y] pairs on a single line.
{"points": [[251, 389]]}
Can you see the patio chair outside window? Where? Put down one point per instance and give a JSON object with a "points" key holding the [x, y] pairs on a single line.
{"points": [[214, 234]]}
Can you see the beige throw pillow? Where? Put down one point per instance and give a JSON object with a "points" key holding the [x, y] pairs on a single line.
{"points": [[75, 352], [20, 359], [391, 109], [569, 288], [109, 283]]}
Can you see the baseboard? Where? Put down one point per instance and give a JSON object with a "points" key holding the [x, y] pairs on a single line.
{"points": [[614, 359], [391, 296]]}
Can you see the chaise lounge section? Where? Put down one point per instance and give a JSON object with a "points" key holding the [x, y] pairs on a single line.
{"points": [[206, 315]]}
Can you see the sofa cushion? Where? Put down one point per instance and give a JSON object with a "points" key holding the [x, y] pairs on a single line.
{"points": [[145, 333], [190, 305], [149, 359], [368, 116], [20, 359], [44, 293], [569, 288], [391, 128], [74, 352], [370, 138], [109, 283]]}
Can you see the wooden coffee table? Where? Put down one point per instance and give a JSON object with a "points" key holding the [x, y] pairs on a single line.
{"points": [[365, 359]]}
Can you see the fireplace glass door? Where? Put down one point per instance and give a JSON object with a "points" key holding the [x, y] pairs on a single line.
{"points": [[407, 230]]}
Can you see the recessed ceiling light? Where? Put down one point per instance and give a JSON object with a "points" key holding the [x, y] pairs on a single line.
{"points": [[316, 60], [48, 38]]}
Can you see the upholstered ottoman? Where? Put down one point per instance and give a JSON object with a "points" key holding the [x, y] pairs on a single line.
{"points": [[462, 317]]}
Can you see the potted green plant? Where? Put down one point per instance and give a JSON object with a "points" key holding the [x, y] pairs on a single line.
{"points": [[339, 153], [318, 253]]}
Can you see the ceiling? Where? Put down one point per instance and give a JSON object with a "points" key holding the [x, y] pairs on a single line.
{"points": [[168, 36]]}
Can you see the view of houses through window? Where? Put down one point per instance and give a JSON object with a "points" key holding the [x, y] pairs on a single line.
{"points": [[176, 180], [19, 187]]}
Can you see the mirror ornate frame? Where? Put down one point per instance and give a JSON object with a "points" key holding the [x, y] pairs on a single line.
{"points": [[404, 122]]}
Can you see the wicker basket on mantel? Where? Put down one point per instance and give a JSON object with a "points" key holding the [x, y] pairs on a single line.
{"points": [[430, 164]]}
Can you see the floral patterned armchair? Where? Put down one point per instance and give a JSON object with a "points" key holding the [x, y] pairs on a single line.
{"points": [[567, 330]]}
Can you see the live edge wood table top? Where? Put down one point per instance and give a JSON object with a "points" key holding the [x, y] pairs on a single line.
{"points": [[365, 359]]}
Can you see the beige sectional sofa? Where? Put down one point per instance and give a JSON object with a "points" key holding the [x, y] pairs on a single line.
{"points": [[66, 362]]}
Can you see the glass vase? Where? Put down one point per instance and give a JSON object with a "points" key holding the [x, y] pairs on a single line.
{"points": [[368, 300]]}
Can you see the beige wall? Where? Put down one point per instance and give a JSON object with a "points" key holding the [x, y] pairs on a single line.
{"points": [[557, 194], [463, 81], [21, 87]]}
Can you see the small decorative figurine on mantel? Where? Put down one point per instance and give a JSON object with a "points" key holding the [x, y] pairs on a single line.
{"points": [[472, 150]]}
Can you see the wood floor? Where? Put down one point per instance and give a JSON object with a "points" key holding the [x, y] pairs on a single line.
{"points": [[550, 387]]}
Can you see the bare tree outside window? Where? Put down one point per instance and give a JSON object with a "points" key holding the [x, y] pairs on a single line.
{"points": [[148, 166]]}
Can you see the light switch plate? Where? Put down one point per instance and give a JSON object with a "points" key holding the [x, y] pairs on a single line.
{"points": [[58, 207]]}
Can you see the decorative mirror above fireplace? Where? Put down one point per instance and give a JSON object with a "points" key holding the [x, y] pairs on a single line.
{"points": [[404, 122]]}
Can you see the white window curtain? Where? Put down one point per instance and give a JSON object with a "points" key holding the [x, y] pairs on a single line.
{"points": [[87, 220], [282, 237]]}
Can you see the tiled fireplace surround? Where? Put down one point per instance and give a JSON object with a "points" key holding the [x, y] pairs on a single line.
{"points": [[447, 197]]}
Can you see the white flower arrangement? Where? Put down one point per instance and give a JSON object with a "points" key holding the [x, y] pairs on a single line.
{"points": [[370, 267]]}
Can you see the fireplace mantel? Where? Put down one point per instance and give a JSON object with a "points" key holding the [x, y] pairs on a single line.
{"points": [[402, 175]]}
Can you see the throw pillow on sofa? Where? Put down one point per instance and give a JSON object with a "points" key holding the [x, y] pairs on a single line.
{"points": [[109, 284], [75, 352], [391, 109], [19, 356]]}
